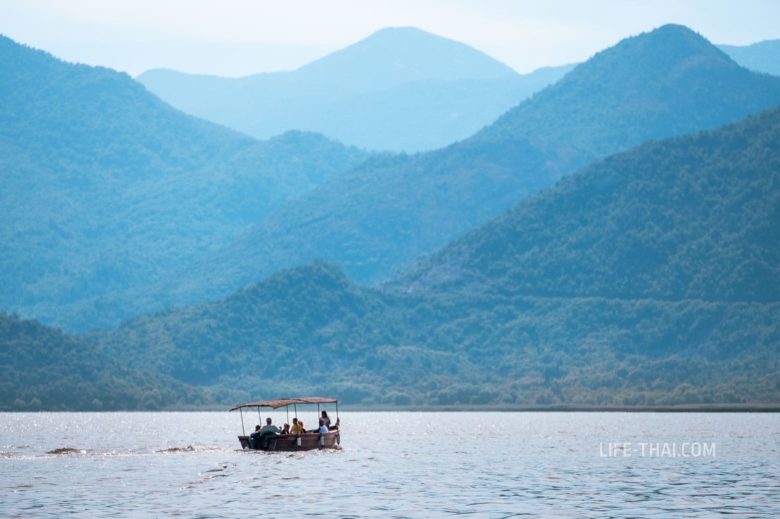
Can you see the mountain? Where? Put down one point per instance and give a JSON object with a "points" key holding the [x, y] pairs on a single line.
{"points": [[311, 330], [763, 56], [649, 278], [42, 368], [379, 218], [398, 89], [398, 55], [650, 86], [105, 187], [692, 218]]}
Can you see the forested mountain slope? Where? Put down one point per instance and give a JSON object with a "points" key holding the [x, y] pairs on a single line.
{"points": [[696, 217], [310, 330], [667, 82], [650, 277], [105, 187], [379, 218], [44, 369]]}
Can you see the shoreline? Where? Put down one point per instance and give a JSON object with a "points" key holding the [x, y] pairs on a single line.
{"points": [[566, 408]]}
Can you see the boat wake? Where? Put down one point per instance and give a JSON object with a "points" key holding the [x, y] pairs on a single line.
{"points": [[66, 450], [188, 448]]}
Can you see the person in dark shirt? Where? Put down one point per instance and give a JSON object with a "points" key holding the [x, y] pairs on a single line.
{"points": [[269, 428]]}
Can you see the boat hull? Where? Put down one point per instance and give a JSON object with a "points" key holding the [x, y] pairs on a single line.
{"points": [[289, 442]]}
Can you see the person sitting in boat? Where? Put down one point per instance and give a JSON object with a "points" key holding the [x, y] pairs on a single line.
{"points": [[286, 429], [323, 427], [297, 427], [269, 428], [259, 438], [325, 418], [254, 438]]}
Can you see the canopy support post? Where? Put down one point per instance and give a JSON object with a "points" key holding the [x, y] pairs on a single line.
{"points": [[337, 411], [241, 412], [287, 408], [295, 407]]}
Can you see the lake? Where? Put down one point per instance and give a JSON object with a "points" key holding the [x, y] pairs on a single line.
{"points": [[394, 464]]}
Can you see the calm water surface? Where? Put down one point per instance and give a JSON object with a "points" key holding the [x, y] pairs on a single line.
{"points": [[394, 465]]}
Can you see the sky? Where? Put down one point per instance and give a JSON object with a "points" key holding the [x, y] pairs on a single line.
{"points": [[242, 37]]}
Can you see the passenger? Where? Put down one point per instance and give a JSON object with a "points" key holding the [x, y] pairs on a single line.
{"points": [[326, 419], [286, 429], [297, 427], [269, 428], [323, 428], [254, 438], [303, 428]]}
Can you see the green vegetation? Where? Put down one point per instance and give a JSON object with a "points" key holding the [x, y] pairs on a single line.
{"points": [[309, 330], [42, 369], [106, 188]]}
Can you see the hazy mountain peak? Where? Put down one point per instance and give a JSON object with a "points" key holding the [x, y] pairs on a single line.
{"points": [[407, 31], [397, 55], [667, 50]]}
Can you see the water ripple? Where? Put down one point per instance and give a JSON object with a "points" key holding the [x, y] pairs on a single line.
{"points": [[392, 465]]}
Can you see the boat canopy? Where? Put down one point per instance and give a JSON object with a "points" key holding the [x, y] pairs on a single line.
{"points": [[282, 402]]}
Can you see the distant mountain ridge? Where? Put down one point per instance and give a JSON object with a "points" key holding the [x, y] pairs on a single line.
{"points": [[379, 218], [398, 89], [106, 187], [762, 56]]}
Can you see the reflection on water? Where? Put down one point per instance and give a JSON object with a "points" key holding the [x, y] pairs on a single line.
{"points": [[392, 465]]}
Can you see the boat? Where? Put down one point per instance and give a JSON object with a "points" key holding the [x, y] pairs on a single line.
{"points": [[290, 442]]}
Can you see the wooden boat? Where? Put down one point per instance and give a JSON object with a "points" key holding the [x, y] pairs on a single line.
{"points": [[290, 442]]}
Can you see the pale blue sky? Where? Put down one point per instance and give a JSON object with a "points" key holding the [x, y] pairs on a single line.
{"points": [[239, 37]]}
